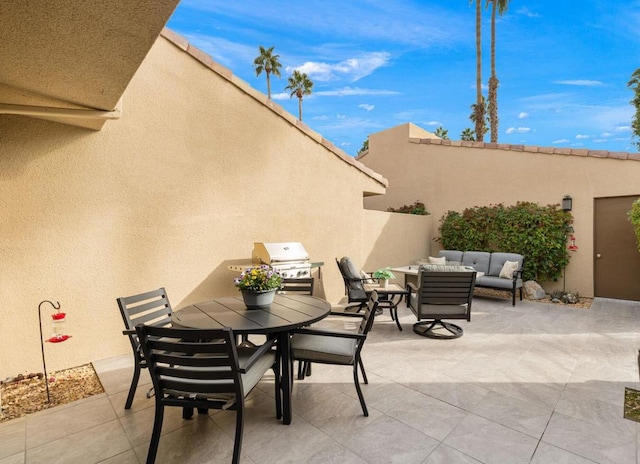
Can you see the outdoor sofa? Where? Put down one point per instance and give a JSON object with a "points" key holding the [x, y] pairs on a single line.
{"points": [[494, 270]]}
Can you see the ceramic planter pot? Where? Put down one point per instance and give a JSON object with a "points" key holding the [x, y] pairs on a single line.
{"points": [[258, 300]]}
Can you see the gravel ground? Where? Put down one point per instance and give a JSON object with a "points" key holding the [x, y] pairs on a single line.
{"points": [[25, 394]]}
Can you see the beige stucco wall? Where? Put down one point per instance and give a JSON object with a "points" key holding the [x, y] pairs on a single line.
{"points": [[196, 170], [457, 177]]}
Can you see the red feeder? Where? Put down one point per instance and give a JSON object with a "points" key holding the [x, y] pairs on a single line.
{"points": [[59, 324]]}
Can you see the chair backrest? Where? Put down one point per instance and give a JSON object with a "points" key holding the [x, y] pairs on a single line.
{"points": [[367, 318], [445, 288], [186, 362], [369, 314], [354, 288], [298, 285], [145, 308]]}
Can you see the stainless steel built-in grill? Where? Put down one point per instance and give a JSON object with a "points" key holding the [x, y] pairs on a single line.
{"points": [[290, 259]]}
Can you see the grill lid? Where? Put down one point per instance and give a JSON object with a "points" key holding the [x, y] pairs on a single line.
{"points": [[278, 252]]}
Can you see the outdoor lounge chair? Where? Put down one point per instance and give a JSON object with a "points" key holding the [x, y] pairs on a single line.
{"points": [[442, 294], [146, 308], [325, 346], [190, 372], [353, 284]]}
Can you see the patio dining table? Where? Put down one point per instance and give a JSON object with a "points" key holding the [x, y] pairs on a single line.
{"points": [[287, 312]]}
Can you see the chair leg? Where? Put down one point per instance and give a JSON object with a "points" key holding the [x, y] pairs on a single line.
{"points": [[364, 374], [237, 445], [301, 370], [359, 390], [513, 299], [155, 435], [278, 384], [134, 384], [428, 329], [187, 413]]}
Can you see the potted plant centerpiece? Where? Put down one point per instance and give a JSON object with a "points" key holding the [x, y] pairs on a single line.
{"points": [[258, 285], [383, 275]]}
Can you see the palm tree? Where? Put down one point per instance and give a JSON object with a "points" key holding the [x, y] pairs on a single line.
{"points": [[482, 128], [269, 63], [468, 135], [299, 85], [442, 133], [500, 6], [634, 84], [479, 108]]}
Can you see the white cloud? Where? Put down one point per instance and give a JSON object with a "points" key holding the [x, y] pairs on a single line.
{"points": [[341, 116], [351, 69], [323, 117], [580, 82], [561, 141], [523, 115], [366, 106], [527, 12], [434, 123], [606, 134], [518, 130], [280, 96], [582, 136], [622, 129], [350, 91]]}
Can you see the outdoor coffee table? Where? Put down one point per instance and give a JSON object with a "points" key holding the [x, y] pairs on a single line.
{"points": [[389, 297], [287, 312]]}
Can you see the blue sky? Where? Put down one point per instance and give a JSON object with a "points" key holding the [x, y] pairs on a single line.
{"points": [[563, 65]]}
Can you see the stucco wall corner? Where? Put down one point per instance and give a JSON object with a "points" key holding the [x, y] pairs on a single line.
{"points": [[415, 140], [175, 38]]}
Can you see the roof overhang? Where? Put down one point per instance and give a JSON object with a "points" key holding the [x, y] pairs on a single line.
{"points": [[70, 61]]}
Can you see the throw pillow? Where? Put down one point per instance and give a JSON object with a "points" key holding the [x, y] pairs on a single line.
{"points": [[433, 260], [508, 268], [366, 278]]}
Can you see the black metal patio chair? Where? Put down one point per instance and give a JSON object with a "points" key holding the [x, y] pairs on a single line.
{"points": [[326, 346], [145, 308], [204, 369]]}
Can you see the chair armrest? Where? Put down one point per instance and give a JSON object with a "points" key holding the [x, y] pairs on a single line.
{"points": [[412, 287], [257, 354], [129, 332], [330, 333]]}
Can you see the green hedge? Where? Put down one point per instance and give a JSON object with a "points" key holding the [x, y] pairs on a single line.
{"points": [[537, 232]]}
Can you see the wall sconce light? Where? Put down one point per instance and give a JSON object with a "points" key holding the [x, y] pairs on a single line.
{"points": [[567, 203]]}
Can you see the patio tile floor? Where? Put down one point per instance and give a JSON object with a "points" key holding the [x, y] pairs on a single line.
{"points": [[537, 383]]}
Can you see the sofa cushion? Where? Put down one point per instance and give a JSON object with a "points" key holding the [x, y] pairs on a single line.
{"points": [[479, 260], [498, 259], [497, 282], [443, 268], [441, 260], [451, 255], [508, 269]]}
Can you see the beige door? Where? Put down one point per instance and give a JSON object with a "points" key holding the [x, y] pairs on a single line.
{"points": [[616, 260]]}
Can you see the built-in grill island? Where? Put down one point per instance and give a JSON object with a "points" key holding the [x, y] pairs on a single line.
{"points": [[290, 259]]}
